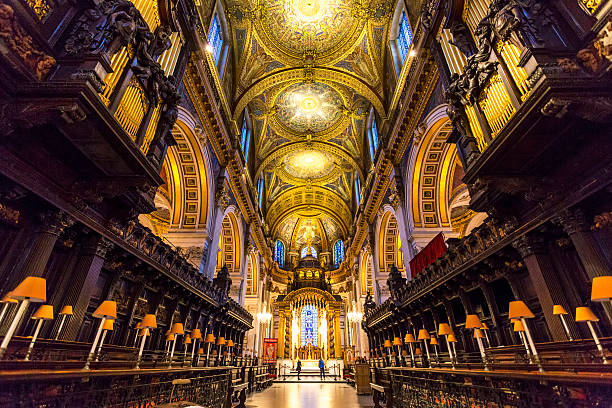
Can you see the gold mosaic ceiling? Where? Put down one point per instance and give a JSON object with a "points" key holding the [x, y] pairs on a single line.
{"points": [[309, 72]]}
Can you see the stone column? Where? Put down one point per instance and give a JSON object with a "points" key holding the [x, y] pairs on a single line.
{"points": [[545, 281], [82, 283], [282, 321], [337, 334]]}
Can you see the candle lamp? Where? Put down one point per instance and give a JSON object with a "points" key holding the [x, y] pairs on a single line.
{"points": [[108, 326], [434, 342], [445, 330], [424, 335], [196, 335], [585, 314], [520, 329], [7, 301], [472, 321], [177, 330], [519, 310], [106, 310], [149, 321], [44, 312], [66, 312], [210, 339], [560, 311], [410, 340], [31, 289]]}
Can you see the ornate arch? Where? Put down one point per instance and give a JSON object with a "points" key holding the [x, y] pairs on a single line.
{"points": [[252, 275], [367, 273], [230, 248], [389, 243], [292, 75]]}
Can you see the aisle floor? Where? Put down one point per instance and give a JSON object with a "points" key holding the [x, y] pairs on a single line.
{"points": [[309, 395]]}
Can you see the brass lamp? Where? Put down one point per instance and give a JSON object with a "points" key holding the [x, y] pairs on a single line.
{"points": [[387, 345], [108, 326], [187, 339], [220, 343], [200, 352], [106, 310], [66, 311], [472, 321], [519, 310], [7, 300], [520, 329], [44, 312], [485, 330], [230, 344], [177, 330], [434, 341], [601, 290], [144, 332], [196, 335], [31, 289], [170, 337], [149, 321], [398, 342], [424, 335], [445, 330], [560, 311], [585, 314], [210, 339], [409, 338]]}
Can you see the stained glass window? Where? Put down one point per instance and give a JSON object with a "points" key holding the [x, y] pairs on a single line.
{"points": [[404, 37], [374, 133], [313, 252], [357, 188], [243, 134], [215, 38], [308, 331], [279, 253], [338, 252], [260, 188]]}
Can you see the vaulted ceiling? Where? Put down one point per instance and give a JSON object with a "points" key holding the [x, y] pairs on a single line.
{"points": [[309, 72]]}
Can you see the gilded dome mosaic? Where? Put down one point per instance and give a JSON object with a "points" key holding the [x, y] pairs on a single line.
{"points": [[309, 107], [308, 164], [316, 25]]}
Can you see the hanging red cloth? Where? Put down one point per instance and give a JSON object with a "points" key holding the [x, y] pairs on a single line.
{"points": [[432, 251]]}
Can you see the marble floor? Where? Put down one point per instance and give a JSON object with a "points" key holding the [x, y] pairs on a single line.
{"points": [[309, 395]]}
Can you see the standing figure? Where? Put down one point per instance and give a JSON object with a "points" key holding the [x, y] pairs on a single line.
{"points": [[299, 368], [322, 368]]}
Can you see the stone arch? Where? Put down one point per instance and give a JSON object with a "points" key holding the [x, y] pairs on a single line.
{"points": [[252, 275], [230, 249], [389, 244], [366, 273]]}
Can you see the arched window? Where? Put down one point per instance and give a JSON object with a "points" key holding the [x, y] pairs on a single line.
{"points": [[338, 252], [260, 191], [279, 253], [309, 329], [215, 38], [404, 36], [373, 134], [304, 251], [245, 136], [357, 188]]}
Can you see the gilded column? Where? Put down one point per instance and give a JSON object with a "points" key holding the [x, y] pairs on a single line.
{"points": [[281, 333], [337, 334]]}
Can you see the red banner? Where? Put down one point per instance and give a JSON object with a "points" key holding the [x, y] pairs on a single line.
{"points": [[432, 251], [269, 351]]}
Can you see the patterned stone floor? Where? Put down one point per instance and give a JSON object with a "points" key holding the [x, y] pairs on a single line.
{"points": [[309, 395]]}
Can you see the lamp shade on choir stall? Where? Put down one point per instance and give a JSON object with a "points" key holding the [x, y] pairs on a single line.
{"points": [[518, 309], [409, 338], [423, 334], [210, 338], [444, 329], [585, 314], [196, 334], [31, 288], [107, 309], [397, 341], [472, 321], [559, 310], [601, 290]]}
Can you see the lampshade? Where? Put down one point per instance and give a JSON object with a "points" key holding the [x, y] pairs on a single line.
{"points": [[210, 338], [451, 338], [513, 320], [387, 343], [478, 334], [214, 352], [66, 310], [444, 329], [187, 339], [196, 334], [221, 341], [107, 309], [484, 326], [409, 338], [149, 321], [397, 341], [518, 309], [472, 321], [433, 341], [43, 312], [404, 353], [518, 326], [559, 310], [201, 350], [417, 351], [144, 332], [177, 328], [108, 325], [585, 314], [32, 288], [423, 335], [8, 298], [601, 291], [230, 343], [138, 326]]}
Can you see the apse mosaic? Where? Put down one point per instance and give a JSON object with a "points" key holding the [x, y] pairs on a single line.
{"points": [[316, 25], [309, 107]]}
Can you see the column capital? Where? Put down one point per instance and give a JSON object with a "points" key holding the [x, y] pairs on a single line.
{"points": [[54, 221], [572, 221], [530, 244]]}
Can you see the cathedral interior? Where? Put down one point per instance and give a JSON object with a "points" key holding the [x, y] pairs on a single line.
{"points": [[221, 203]]}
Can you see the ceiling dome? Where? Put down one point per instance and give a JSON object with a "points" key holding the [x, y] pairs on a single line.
{"points": [[309, 107], [308, 164]]}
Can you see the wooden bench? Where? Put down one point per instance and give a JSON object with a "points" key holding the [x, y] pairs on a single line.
{"points": [[381, 393]]}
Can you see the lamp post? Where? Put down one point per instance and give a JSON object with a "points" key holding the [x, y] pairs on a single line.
{"points": [[65, 313], [44, 312], [445, 330], [472, 321], [519, 310], [424, 335], [585, 314], [106, 310], [177, 330], [108, 326], [149, 321], [31, 289]]}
